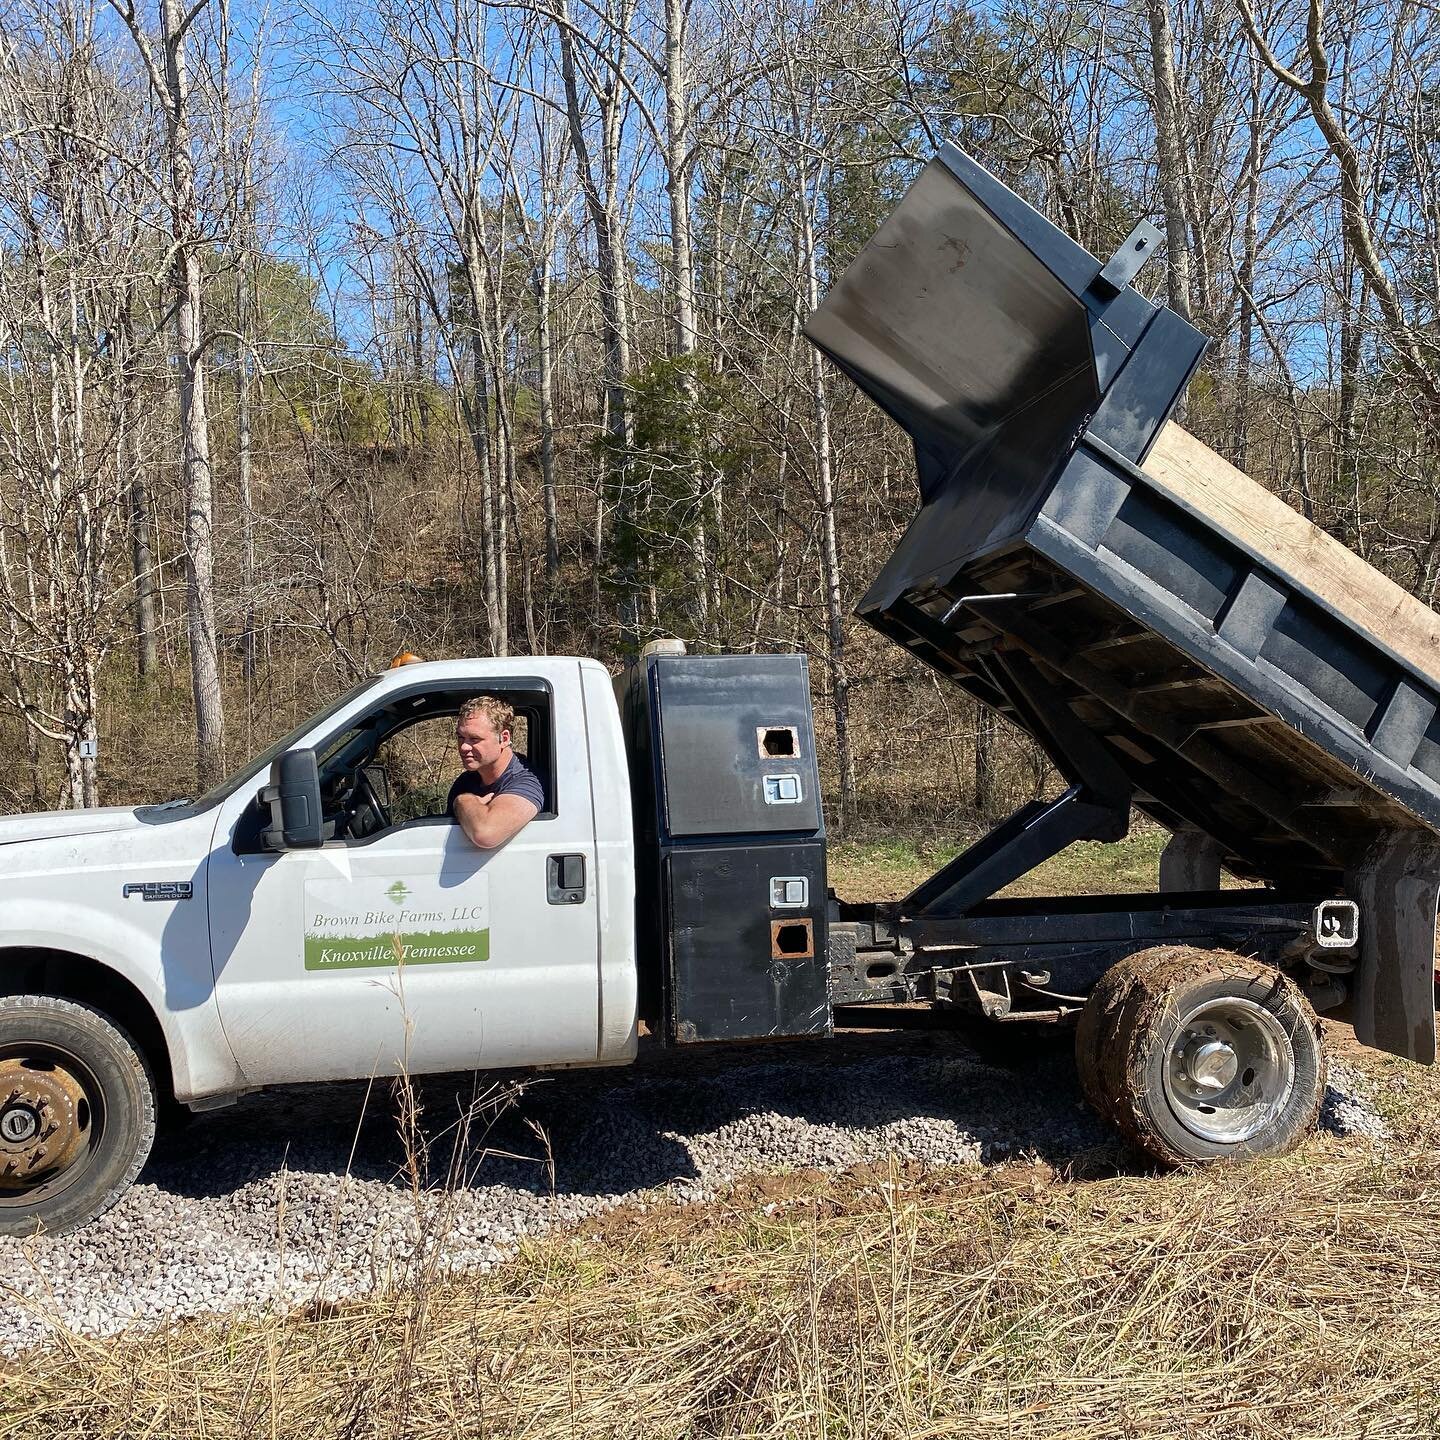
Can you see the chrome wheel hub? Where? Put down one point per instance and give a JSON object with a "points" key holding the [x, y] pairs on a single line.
{"points": [[1210, 1064], [1229, 1071], [18, 1123]]}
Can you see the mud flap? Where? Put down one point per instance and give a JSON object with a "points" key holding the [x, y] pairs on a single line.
{"points": [[1397, 886]]}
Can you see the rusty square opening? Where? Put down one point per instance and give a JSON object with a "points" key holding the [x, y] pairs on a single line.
{"points": [[792, 939], [777, 742]]}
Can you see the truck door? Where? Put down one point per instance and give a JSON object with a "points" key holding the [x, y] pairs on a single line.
{"points": [[399, 944]]}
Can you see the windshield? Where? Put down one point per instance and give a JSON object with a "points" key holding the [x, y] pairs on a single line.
{"points": [[267, 756]]}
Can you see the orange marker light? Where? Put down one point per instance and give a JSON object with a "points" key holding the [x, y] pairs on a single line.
{"points": [[406, 657]]}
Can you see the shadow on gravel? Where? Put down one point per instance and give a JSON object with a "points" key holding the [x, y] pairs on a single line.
{"points": [[672, 1117], [677, 1117]]}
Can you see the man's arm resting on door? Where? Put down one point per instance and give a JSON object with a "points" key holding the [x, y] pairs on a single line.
{"points": [[490, 820]]}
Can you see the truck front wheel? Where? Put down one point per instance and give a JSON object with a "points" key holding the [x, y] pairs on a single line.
{"points": [[77, 1113], [1201, 1054]]}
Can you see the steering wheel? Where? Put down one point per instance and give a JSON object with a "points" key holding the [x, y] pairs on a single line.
{"points": [[362, 795]]}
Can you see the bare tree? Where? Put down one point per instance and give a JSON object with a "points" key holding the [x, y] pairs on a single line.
{"points": [[166, 58], [73, 254], [425, 121], [1170, 145], [535, 171], [1405, 330]]}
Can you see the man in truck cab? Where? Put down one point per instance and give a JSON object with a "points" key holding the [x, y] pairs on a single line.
{"points": [[497, 794]]}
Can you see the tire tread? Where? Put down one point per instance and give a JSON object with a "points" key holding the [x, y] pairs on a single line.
{"points": [[85, 1016]]}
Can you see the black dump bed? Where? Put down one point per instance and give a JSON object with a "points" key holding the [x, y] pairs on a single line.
{"points": [[1253, 679]]}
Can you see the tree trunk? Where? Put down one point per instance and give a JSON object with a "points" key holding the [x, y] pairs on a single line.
{"points": [[1353, 297], [830, 549], [601, 192], [131, 477], [188, 283], [478, 399], [1172, 156], [682, 267], [987, 792], [545, 363], [142, 564], [244, 447], [505, 480], [1245, 331], [478, 423], [614, 309], [199, 524]]}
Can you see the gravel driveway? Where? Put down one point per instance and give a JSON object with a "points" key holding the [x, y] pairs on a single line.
{"points": [[304, 1193]]}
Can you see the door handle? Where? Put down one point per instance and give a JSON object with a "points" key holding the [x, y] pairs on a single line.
{"points": [[565, 879]]}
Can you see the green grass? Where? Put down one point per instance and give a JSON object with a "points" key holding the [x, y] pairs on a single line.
{"points": [[890, 869]]}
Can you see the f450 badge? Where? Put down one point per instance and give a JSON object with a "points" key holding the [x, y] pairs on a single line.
{"points": [[160, 889]]}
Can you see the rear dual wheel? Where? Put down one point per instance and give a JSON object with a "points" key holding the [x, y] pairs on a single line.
{"points": [[77, 1114], [1201, 1055]]}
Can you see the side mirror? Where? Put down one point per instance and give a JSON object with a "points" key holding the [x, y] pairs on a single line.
{"points": [[297, 819]]}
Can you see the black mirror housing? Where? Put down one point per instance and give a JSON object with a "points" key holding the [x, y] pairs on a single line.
{"points": [[297, 820]]}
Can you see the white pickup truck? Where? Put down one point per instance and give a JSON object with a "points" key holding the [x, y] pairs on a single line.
{"points": [[319, 916]]}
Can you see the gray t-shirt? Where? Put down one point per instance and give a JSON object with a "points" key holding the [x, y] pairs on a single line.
{"points": [[517, 778]]}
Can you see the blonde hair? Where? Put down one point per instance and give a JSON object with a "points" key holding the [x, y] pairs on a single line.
{"points": [[495, 710]]}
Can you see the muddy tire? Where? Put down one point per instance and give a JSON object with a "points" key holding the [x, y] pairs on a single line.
{"points": [[77, 1114], [1097, 1055], [1201, 1055]]}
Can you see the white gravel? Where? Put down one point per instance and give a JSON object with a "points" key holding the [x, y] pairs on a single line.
{"points": [[303, 1194], [1347, 1109]]}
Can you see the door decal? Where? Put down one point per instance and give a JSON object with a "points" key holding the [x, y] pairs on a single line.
{"points": [[383, 921]]}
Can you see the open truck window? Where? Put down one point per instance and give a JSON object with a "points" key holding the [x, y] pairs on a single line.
{"points": [[420, 763], [394, 765]]}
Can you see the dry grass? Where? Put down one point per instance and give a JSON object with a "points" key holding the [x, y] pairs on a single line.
{"points": [[1295, 1297]]}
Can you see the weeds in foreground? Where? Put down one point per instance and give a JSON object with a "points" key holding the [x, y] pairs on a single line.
{"points": [[1295, 1297]]}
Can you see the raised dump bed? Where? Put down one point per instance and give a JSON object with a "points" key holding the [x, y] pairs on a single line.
{"points": [[1170, 631]]}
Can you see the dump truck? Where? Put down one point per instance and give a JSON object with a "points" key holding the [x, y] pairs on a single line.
{"points": [[1177, 640]]}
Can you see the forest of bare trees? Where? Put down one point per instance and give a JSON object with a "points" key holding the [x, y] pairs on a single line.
{"points": [[475, 328]]}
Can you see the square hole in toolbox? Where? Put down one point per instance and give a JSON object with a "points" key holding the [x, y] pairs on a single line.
{"points": [[777, 742], [792, 939]]}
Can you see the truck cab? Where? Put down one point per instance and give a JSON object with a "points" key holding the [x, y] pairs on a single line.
{"points": [[321, 916], [364, 954]]}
